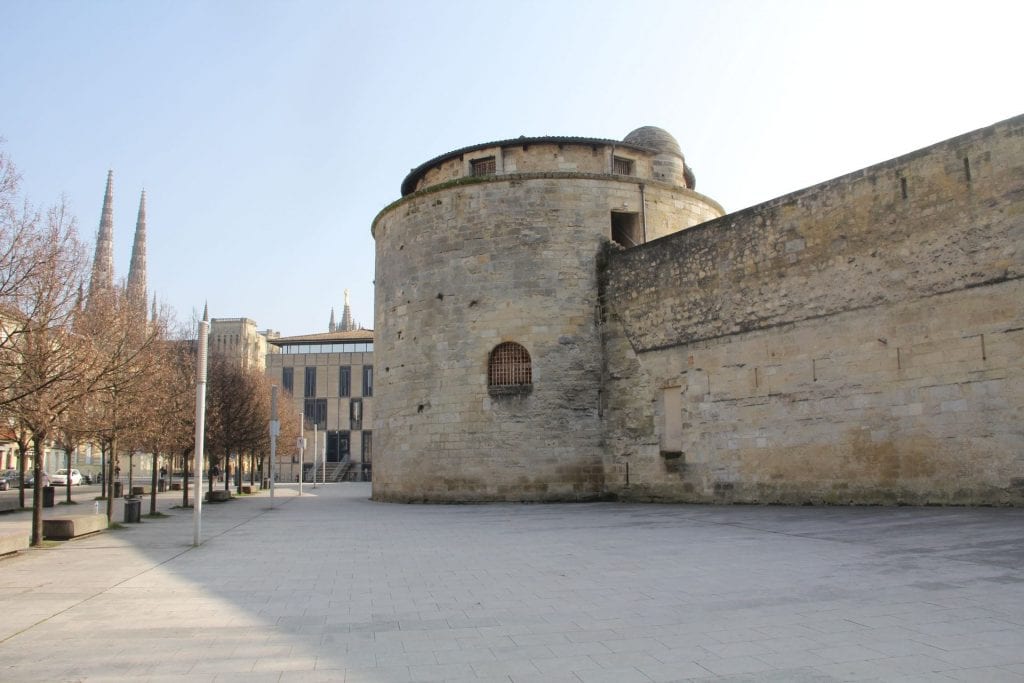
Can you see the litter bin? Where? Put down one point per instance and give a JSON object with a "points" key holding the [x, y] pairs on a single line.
{"points": [[118, 488], [47, 496], [132, 510], [161, 486]]}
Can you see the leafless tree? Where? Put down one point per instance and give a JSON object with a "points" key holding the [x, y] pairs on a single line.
{"points": [[44, 363], [125, 346]]}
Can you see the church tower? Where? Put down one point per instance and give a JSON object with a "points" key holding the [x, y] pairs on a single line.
{"points": [[102, 280], [346, 317], [136, 289]]}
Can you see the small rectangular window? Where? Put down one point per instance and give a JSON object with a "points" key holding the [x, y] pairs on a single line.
{"points": [[622, 166], [345, 380], [482, 166], [309, 390], [355, 414], [367, 447], [367, 380], [315, 411], [288, 379]]}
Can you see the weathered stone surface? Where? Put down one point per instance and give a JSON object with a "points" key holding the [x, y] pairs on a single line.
{"points": [[843, 344], [860, 341], [464, 267]]}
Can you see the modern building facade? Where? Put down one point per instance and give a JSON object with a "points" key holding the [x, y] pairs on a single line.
{"points": [[329, 377]]}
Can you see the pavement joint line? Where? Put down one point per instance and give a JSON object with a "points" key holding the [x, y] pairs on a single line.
{"points": [[133, 576]]}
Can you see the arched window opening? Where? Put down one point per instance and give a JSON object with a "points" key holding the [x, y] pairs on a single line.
{"points": [[509, 367]]}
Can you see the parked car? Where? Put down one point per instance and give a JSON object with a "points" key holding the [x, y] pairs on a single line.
{"points": [[60, 478], [30, 479], [9, 479]]}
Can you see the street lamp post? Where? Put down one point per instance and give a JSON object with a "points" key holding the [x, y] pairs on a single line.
{"points": [[197, 509]]}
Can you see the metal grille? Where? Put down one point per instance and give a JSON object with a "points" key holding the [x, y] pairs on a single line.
{"points": [[622, 166], [483, 166], [509, 365]]}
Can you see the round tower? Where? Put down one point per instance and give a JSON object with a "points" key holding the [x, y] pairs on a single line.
{"points": [[487, 344]]}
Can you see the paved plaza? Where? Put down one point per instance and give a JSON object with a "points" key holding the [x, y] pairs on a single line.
{"points": [[330, 586]]}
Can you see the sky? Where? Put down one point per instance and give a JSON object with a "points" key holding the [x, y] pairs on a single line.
{"points": [[269, 134]]}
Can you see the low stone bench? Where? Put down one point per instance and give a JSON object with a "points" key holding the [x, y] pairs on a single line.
{"points": [[175, 485], [247, 488], [12, 542], [8, 503], [218, 496], [138, 490], [63, 528]]}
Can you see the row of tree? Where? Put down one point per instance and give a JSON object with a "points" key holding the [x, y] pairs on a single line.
{"points": [[100, 369]]}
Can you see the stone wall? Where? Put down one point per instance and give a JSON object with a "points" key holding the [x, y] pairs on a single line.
{"points": [[860, 341], [462, 268]]}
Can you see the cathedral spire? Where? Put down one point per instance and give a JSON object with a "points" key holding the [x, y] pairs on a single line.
{"points": [[102, 280], [346, 316], [331, 327], [136, 290]]}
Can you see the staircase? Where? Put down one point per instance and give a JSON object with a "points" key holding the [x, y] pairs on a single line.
{"points": [[336, 471]]}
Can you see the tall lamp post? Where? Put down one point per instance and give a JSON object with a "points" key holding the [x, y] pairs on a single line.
{"points": [[302, 446], [275, 429], [197, 503]]}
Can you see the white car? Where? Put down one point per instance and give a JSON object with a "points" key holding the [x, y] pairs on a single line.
{"points": [[61, 478]]}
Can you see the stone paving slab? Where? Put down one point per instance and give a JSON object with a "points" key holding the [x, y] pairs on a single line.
{"points": [[333, 587]]}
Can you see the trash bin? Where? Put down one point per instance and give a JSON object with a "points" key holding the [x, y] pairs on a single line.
{"points": [[118, 487], [161, 486], [47, 496], [132, 510]]}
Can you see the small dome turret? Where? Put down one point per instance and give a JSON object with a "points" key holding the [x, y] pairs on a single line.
{"points": [[669, 163], [652, 137]]}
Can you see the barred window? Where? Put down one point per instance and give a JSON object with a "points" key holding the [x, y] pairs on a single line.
{"points": [[622, 166], [482, 166], [509, 365]]}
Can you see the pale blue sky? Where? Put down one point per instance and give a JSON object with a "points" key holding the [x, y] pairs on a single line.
{"points": [[269, 134]]}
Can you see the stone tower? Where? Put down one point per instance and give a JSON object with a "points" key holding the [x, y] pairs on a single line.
{"points": [[488, 348], [136, 288], [102, 279]]}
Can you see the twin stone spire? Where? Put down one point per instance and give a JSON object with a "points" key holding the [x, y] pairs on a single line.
{"points": [[102, 279]]}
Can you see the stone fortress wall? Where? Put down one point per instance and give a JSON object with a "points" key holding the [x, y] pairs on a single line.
{"points": [[859, 341], [468, 262]]}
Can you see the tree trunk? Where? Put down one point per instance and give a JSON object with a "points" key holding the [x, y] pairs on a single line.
{"points": [[67, 454], [22, 450], [152, 490], [111, 465], [184, 479], [38, 442]]}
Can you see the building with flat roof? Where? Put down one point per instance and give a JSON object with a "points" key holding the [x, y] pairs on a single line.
{"points": [[328, 378]]}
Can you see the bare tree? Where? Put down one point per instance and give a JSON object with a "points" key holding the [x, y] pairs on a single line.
{"points": [[125, 347], [44, 363]]}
